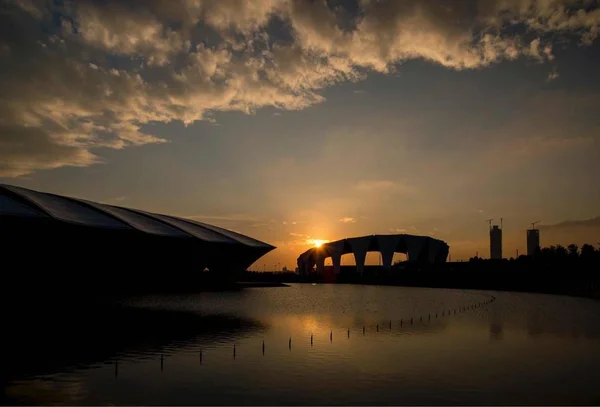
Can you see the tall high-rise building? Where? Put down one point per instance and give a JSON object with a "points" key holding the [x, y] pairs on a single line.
{"points": [[533, 241], [495, 242]]}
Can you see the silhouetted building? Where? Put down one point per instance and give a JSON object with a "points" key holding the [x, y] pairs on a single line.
{"points": [[495, 242], [422, 249], [533, 241], [85, 245]]}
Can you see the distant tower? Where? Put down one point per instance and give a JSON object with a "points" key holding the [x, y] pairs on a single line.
{"points": [[496, 241], [533, 240]]}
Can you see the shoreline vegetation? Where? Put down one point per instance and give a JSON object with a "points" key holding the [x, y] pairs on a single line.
{"points": [[553, 270]]}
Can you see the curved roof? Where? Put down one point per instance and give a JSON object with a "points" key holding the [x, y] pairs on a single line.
{"points": [[11, 207], [18, 201], [248, 241], [138, 221], [67, 209], [188, 227]]}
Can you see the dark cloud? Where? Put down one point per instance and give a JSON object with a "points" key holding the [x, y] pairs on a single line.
{"points": [[24, 150], [571, 231], [571, 224], [85, 74]]}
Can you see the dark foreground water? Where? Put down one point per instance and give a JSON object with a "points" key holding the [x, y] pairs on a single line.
{"points": [[462, 347]]}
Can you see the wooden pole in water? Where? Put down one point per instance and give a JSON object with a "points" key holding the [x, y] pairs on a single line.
{"points": [[331, 335], [290, 343], [263, 347], [200, 356], [234, 350], [311, 339], [161, 363]]}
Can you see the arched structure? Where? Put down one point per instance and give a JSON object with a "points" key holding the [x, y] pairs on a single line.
{"points": [[47, 234], [418, 249]]}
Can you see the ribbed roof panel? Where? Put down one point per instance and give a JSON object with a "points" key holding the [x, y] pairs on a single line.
{"points": [[68, 209], [248, 241], [138, 221], [11, 207], [95, 214], [195, 230]]}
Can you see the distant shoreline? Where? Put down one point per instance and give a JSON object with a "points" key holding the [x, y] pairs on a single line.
{"points": [[567, 293], [565, 281], [261, 284], [581, 293], [546, 281]]}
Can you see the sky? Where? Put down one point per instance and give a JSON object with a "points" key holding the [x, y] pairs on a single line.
{"points": [[300, 120]]}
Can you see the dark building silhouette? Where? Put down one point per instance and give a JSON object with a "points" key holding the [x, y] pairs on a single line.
{"points": [[420, 249], [70, 244], [533, 241], [495, 243]]}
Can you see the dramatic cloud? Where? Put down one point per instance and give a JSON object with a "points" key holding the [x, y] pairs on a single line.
{"points": [[24, 150], [82, 75]]}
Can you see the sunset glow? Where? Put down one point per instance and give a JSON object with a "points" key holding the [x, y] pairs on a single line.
{"points": [[318, 242], [292, 122]]}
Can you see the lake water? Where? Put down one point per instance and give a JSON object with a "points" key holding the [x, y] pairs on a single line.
{"points": [[462, 347]]}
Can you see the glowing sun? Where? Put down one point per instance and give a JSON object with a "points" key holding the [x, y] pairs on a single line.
{"points": [[319, 243]]}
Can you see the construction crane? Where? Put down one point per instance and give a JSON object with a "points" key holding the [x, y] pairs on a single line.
{"points": [[533, 224], [490, 222]]}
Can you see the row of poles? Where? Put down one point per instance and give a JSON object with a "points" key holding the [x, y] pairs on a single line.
{"points": [[443, 313]]}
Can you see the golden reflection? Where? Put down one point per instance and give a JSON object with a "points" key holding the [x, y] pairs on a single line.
{"points": [[309, 324], [44, 392], [305, 324]]}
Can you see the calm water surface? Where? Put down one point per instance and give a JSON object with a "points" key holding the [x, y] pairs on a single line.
{"points": [[463, 347]]}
